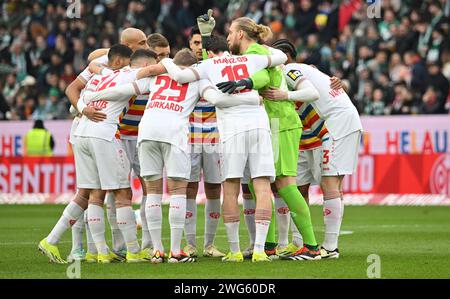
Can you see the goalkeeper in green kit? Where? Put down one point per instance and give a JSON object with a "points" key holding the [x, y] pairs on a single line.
{"points": [[243, 38]]}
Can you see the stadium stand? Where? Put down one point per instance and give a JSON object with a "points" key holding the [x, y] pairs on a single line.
{"points": [[394, 62]]}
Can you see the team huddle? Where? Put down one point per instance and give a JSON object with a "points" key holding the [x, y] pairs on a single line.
{"points": [[241, 113]]}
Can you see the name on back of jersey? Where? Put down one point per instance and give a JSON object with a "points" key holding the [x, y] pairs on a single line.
{"points": [[229, 60], [166, 105]]}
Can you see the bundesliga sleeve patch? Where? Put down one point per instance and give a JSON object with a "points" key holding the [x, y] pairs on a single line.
{"points": [[294, 74]]}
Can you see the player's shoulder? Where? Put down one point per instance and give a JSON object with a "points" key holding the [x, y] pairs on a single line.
{"points": [[294, 70], [102, 59]]}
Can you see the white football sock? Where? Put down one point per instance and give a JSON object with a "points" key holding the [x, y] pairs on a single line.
{"points": [[77, 235], [118, 242], [212, 217], [262, 227], [177, 217], [153, 213], [233, 236], [146, 238], [297, 239], [96, 222], [90, 241], [190, 227], [249, 217], [126, 221], [332, 217], [70, 215], [283, 217]]}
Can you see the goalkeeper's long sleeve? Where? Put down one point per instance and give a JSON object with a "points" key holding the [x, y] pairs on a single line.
{"points": [[260, 79]]}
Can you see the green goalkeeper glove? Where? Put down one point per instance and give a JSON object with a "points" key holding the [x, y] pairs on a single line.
{"points": [[206, 23]]}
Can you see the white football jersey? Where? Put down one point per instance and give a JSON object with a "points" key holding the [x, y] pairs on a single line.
{"points": [[166, 116], [240, 118], [86, 75], [334, 106], [106, 129]]}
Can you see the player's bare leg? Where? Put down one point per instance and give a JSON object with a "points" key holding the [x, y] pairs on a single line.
{"points": [[231, 219], [263, 214], [332, 214], [249, 217], [73, 211], [190, 229], [153, 215], [177, 213], [212, 217]]}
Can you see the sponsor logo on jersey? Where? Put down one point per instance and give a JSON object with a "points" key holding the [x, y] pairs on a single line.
{"points": [[295, 74]]}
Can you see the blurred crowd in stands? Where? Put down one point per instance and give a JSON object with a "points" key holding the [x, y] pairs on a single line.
{"points": [[393, 55]]}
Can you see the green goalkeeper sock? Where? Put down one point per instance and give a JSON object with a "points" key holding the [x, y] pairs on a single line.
{"points": [[271, 242], [299, 212]]}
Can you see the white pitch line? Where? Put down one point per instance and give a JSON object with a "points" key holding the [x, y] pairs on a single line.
{"points": [[346, 232]]}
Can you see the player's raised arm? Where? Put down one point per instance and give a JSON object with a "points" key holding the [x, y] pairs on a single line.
{"points": [[99, 68], [97, 53], [151, 70]]}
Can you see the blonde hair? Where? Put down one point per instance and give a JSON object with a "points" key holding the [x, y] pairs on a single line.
{"points": [[185, 57], [254, 31]]}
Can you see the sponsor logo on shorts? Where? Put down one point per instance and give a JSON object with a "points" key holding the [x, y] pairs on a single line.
{"points": [[189, 214], [249, 211], [214, 215], [72, 222], [326, 212]]}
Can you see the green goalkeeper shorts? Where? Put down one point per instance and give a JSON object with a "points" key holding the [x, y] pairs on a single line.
{"points": [[285, 150]]}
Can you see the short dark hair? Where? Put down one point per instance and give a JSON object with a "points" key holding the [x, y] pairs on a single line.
{"points": [[119, 50], [185, 57], [194, 31], [157, 40], [143, 53], [217, 44]]}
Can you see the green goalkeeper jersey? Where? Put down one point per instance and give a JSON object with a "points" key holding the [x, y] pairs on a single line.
{"points": [[281, 111]]}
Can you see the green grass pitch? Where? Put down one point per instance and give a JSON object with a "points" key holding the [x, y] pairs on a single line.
{"points": [[412, 242]]}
